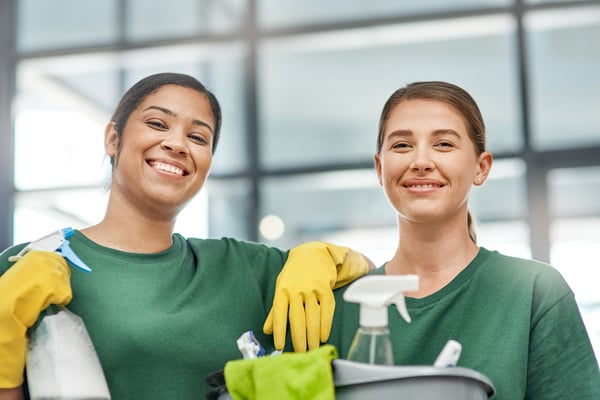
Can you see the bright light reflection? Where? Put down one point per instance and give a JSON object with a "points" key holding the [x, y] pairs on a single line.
{"points": [[57, 148], [271, 227]]}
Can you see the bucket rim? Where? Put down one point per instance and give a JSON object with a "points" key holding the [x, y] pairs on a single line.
{"points": [[348, 373]]}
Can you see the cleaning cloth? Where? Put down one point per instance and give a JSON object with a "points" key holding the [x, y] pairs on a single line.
{"points": [[286, 376]]}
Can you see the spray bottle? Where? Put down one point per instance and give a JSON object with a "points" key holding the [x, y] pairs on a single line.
{"points": [[374, 293], [61, 361]]}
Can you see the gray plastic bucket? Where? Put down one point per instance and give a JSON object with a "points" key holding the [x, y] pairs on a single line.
{"points": [[359, 381]]}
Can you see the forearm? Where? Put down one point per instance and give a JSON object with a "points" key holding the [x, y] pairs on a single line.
{"points": [[11, 394]]}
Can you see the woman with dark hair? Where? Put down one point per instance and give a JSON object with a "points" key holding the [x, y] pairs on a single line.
{"points": [[517, 319], [164, 311]]}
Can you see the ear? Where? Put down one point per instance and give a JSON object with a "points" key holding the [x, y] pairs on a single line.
{"points": [[484, 165], [111, 140], [378, 168]]}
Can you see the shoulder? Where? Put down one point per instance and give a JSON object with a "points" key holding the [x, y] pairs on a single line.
{"points": [[522, 277], [227, 247], [514, 268], [506, 261], [225, 243], [10, 251]]}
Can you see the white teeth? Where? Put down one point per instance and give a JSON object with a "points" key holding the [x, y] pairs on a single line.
{"points": [[429, 186], [167, 167]]}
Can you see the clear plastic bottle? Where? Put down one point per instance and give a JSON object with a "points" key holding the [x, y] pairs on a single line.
{"points": [[374, 293], [372, 346], [62, 363]]}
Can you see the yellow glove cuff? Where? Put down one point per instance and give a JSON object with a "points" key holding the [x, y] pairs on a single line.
{"points": [[350, 264]]}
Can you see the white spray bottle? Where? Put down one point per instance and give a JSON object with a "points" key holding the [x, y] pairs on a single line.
{"points": [[375, 293], [62, 363]]}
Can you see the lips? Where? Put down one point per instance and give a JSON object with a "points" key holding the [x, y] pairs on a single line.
{"points": [[422, 185], [168, 167]]}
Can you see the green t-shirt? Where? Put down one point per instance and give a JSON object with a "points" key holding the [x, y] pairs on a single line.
{"points": [[162, 322], [517, 321]]}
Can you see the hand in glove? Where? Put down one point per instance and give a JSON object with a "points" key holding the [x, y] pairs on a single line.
{"points": [[304, 288], [38, 279]]}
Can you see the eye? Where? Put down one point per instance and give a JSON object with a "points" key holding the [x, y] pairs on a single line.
{"points": [[400, 146], [445, 145], [199, 138], [156, 124]]}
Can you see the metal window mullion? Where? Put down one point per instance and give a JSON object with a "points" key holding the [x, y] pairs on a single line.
{"points": [[8, 67]]}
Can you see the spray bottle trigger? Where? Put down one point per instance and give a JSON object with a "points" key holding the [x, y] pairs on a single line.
{"points": [[46, 243], [400, 303], [65, 250]]}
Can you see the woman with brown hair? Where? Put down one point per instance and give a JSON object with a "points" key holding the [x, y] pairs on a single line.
{"points": [[517, 319]]}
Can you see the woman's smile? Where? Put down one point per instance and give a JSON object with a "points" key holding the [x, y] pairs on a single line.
{"points": [[167, 167]]}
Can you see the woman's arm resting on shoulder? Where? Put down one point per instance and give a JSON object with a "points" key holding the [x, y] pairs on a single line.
{"points": [[304, 290]]}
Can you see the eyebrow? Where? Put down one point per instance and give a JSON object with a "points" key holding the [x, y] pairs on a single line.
{"points": [[437, 132], [174, 114]]}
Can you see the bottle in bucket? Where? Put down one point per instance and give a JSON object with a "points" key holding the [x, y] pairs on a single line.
{"points": [[374, 293]]}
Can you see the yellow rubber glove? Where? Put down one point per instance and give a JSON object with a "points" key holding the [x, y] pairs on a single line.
{"points": [[38, 279], [304, 289]]}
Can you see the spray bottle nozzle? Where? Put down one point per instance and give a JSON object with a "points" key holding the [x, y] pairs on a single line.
{"points": [[55, 241], [375, 292]]}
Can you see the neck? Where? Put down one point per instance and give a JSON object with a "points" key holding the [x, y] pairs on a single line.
{"points": [[436, 254], [131, 230]]}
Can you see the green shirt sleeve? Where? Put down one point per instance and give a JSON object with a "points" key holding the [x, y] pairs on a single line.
{"points": [[560, 363]]}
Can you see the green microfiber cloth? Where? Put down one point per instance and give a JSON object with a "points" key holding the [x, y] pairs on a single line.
{"points": [[286, 376]]}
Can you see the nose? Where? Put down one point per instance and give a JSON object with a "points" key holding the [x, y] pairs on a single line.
{"points": [[422, 161], [175, 143]]}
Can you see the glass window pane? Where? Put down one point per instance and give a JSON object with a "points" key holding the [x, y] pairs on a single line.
{"points": [[278, 13], [500, 209], [564, 60], [378, 243], [575, 238], [192, 221], [59, 125], [44, 24], [229, 202], [38, 213], [508, 237], [503, 196], [50, 152], [181, 18], [317, 205], [574, 253], [321, 95], [574, 192]]}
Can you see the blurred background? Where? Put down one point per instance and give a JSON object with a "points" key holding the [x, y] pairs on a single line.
{"points": [[301, 84]]}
